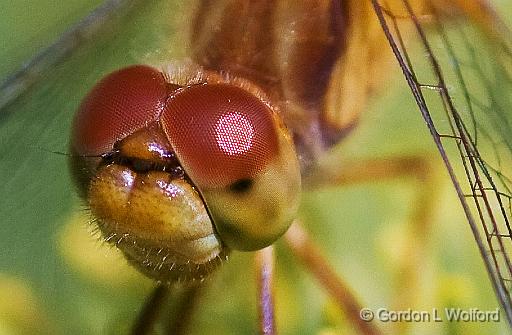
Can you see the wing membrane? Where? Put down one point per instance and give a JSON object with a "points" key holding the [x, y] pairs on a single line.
{"points": [[472, 128]]}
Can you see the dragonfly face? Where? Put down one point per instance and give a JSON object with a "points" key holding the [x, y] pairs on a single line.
{"points": [[170, 166], [350, 237]]}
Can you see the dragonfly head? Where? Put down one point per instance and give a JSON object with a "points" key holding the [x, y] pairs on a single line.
{"points": [[179, 172]]}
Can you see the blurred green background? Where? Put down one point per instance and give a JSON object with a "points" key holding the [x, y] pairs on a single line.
{"points": [[55, 278]]}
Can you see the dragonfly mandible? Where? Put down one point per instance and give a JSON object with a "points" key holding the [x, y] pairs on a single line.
{"points": [[75, 276]]}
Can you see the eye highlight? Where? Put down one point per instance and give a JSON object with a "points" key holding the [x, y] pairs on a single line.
{"points": [[234, 134], [220, 132]]}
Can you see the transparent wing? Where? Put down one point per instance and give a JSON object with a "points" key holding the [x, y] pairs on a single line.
{"points": [[470, 120]]}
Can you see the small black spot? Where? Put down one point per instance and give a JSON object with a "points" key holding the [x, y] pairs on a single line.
{"points": [[241, 185]]}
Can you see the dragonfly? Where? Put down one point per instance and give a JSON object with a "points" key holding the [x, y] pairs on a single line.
{"points": [[61, 275]]}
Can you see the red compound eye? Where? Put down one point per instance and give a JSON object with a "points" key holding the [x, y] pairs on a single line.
{"points": [[121, 103], [221, 133]]}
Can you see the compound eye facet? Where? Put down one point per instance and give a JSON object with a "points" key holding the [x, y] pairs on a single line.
{"points": [[221, 133], [120, 104]]}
